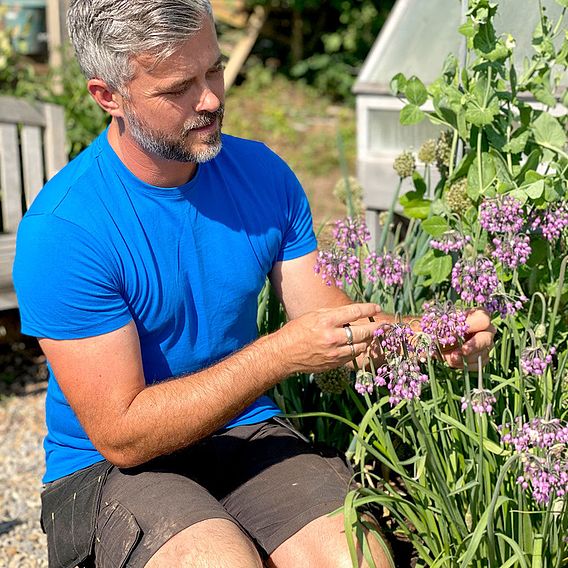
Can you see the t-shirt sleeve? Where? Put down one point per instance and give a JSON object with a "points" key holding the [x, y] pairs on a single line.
{"points": [[299, 238], [67, 286]]}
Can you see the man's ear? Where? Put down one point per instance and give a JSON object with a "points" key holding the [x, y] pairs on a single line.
{"points": [[108, 99]]}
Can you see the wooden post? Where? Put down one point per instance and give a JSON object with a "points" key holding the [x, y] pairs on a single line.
{"points": [[245, 45], [56, 11]]}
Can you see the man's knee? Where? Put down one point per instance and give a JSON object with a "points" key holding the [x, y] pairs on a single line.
{"points": [[214, 542], [323, 544]]}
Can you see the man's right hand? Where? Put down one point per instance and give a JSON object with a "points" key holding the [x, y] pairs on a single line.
{"points": [[317, 340]]}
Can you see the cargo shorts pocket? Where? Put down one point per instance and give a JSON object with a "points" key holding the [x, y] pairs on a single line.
{"points": [[116, 536], [69, 509]]}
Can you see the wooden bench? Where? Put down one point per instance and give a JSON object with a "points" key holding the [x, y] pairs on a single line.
{"points": [[32, 149]]}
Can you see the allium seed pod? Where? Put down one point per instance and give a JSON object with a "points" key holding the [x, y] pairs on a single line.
{"points": [[427, 152], [444, 152], [456, 197], [404, 165], [333, 381]]}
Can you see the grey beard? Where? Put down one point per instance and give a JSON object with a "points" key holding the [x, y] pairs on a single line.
{"points": [[167, 148]]}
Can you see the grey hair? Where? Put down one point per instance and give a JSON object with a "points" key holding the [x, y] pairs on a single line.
{"points": [[106, 34]]}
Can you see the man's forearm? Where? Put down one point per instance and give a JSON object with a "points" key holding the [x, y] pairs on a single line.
{"points": [[176, 413]]}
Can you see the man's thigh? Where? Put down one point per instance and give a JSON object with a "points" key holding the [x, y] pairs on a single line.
{"points": [[141, 510], [265, 477], [278, 483]]}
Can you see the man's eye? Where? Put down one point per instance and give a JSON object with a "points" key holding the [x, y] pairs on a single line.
{"points": [[177, 93]]}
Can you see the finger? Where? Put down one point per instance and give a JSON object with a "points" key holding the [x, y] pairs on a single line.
{"points": [[482, 340], [478, 320], [349, 354], [352, 312]]}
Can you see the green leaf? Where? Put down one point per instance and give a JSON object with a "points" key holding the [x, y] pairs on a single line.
{"points": [[518, 142], [475, 186], [422, 265], [547, 130], [398, 84], [520, 195], [484, 39], [415, 206], [563, 3], [415, 91], [419, 183], [435, 226], [534, 190], [411, 114], [467, 29], [441, 267], [480, 116]]}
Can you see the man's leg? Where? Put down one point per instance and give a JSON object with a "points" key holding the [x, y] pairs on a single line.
{"points": [[281, 491], [154, 516], [322, 544], [213, 543]]}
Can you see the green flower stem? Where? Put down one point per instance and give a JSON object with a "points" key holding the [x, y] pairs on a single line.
{"points": [[559, 289], [491, 516], [390, 214]]}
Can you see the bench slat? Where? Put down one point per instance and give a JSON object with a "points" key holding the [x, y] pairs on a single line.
{"points": [[13, 109], [32, 158], [10, 178], [54, 139]]}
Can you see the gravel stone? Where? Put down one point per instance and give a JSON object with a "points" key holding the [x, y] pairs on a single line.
{"points": [[22, 428]]}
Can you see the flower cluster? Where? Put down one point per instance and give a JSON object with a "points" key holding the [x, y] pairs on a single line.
{"points": [[475, 280], [342, 262], [401, 373], [505, 305], [535, 360], [481, 401], [551, 222], [503, 214], [451, 241], [443, 323], [511, 250], [427, 152], [350, 233], [388, 268], [543, 449], [336, 266]]}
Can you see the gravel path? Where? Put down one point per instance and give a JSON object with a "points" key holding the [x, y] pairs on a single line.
{"points": [[22, 427]]}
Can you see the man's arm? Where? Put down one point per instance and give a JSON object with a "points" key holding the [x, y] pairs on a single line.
{"points": [[130, 423]]}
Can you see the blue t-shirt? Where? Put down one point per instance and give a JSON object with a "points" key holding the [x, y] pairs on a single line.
{"points": [[99, 248]]}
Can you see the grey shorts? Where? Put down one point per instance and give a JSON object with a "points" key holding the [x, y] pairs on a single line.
{"points": [[265, 477]]}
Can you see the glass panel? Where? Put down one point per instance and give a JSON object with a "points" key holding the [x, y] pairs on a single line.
{"points": [[386, 135]]}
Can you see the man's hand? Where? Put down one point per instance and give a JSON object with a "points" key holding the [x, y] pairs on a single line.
{"points": [[317, 341], [478, 342]]}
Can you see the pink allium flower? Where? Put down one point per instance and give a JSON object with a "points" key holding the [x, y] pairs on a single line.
{"points": [[502, 214], [387, 268]]}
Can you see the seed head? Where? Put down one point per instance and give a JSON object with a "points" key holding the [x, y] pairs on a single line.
{"points": [[404, 165], [456, 197], [444, 152], [333, 381], [427, 152]]}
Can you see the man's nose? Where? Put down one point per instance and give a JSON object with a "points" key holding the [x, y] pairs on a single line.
{"points": [[208, 101]]}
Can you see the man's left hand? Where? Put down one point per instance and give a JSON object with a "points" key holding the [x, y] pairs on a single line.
{"points": [[478, 342]]}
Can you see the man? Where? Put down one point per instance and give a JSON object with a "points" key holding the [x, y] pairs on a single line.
{"points": [[138, 268]]}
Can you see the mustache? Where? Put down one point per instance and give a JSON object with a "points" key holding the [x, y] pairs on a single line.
{"points": [[204, 119]]}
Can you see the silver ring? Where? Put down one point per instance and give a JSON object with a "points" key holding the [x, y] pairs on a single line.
{"points": [[349, 334]]}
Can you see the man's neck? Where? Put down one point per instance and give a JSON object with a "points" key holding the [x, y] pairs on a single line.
{"points": [[146, 167]]}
